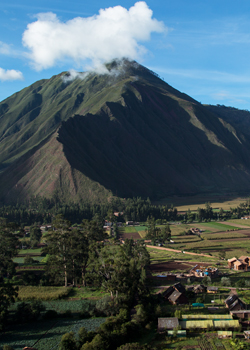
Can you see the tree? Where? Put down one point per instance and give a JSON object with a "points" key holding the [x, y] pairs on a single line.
{"points": [[68, 342], [121, 270], [58, 248], [206, 280], [8, 250], [35, 235]]}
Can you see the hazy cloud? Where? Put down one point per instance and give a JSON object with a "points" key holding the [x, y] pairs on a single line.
{"points": [[223, 77], [10, 74], [114, 33], [4, 48]]}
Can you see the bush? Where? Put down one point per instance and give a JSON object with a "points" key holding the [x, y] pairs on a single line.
{"points": [[28, 260], [240, 283], [68, 342], [225, 281], [27, 312]]}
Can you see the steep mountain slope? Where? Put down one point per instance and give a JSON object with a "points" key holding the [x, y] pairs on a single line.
{"points": [[125, 133], [240, 119]]}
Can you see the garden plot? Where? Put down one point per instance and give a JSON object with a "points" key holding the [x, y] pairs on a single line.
{"points": [[45, 335]]}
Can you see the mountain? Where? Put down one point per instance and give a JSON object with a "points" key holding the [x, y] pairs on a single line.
{"points": [[124, 133]]}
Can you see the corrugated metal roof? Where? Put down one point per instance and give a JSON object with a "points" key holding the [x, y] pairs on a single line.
{"points": [[196, 324], [207, 317], [167, 323], [226, 323]]}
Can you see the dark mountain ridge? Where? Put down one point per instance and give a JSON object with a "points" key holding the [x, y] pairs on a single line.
{"points": [[126, 133]]}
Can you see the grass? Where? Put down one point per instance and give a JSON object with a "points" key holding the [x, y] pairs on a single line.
{"points": [[30, 251], [87, 293], [127, 229]]}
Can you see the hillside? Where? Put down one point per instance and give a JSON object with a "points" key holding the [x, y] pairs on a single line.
{"points": [[126, 133]]}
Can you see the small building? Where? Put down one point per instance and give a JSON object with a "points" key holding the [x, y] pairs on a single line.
{"points": [[233, 303], [179, 287], [129, 223], [245, 260], [239, 264], [171, 277], [243, 314], [166, 323], [177, 298], [166, 294], [225, 334], [202, 271], [247, 334], [212, 290], [199, 289], [230, 262]]}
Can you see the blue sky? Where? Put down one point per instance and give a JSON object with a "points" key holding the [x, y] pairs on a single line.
{"points": [[199, 47]]}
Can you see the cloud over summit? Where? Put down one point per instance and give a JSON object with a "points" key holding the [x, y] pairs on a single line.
{"points": [[114, 33]]}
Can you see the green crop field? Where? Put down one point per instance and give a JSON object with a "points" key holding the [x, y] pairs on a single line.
{"points": [[46, 335], [240, 222], [219, 226], [42, 293], [140, 228]]}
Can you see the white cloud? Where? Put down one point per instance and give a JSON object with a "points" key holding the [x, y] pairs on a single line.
{"points": [[4, 48], [10, 74], [114, 33]]}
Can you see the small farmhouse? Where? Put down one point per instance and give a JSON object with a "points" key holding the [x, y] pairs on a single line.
{"points": [[243, 263], [233, 303]]}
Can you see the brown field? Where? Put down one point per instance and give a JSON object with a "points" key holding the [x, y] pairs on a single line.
{"points": [[173, 266], [134, 235], [193, 202]]}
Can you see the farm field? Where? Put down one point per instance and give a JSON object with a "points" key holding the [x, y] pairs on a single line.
{"points": [[208, 341], [192, 203], [46, 335]]}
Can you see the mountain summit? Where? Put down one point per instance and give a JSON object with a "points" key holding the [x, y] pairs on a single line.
{"points": [[124, 133]]}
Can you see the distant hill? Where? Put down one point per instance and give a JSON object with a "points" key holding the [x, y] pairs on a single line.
{"points": [[126, 133]]}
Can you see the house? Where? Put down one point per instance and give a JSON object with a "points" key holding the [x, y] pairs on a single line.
{"points": [[171, 277], [166, 294], [233, 303], [129, 223], [239, 264], [247, 334], [175, 294], [244, 314], [179, 287], [201, 271], [245, 260], [177, 298], [212, 290], [165, 323], [199, 289], [195, 230], [230, 262]]}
